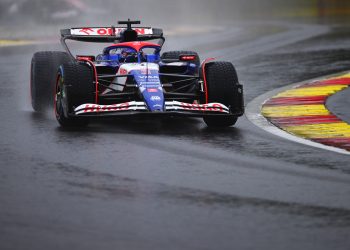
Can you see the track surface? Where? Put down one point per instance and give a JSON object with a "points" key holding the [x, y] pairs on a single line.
{"points": [[175, 184]]}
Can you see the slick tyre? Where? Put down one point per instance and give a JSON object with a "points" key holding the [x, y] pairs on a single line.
{"points": [[44, 66], [74, 86], [221, 78], [174, 55]]}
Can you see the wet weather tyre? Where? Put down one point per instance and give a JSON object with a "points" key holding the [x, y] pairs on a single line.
{"points": [[174, 55], [43, 71], [74, 86], [221, 80]]}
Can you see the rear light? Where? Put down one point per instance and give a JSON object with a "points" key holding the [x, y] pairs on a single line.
{"points": [[89, 58], [188, 57]]}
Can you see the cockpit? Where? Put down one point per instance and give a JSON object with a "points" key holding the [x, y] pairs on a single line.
{"points": [[130, 53]]}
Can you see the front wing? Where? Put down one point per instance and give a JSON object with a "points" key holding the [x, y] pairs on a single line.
{"points": [[134, 108]]}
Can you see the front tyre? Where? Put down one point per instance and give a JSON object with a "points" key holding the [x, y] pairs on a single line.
{"points": [[74, 86], [222, 81]]}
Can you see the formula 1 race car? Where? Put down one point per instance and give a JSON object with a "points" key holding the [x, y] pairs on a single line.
{"points": [[130, 77]]}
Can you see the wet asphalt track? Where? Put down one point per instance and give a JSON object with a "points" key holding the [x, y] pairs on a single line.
{"points": [[174, 184]]}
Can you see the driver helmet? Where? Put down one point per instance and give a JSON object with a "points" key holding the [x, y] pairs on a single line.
{"points": [[126, 52]]}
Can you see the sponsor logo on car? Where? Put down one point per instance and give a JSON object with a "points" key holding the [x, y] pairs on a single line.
{"points": [[107, 31], [149, 84], [203, 107], [152, 90], [123, 71], [155, 98], [149, 77], [145, 71], [105, 108]]}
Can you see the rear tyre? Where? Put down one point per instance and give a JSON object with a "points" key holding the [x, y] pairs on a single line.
{"points": [[221, 78], [175, 55], [44, 66], [74, 86]]}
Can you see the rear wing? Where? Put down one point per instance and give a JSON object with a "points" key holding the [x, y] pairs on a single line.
{"points": [[112, 34], [109, 34]]}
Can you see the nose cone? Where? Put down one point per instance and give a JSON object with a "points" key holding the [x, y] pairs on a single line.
{"points": [[148, 81], [154, 98]]}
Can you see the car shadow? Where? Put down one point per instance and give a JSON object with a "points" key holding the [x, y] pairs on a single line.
{"points": [[193, 130], [173, 126]]}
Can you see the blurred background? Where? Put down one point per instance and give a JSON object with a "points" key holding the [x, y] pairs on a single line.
{"points": [[28, 14]]}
